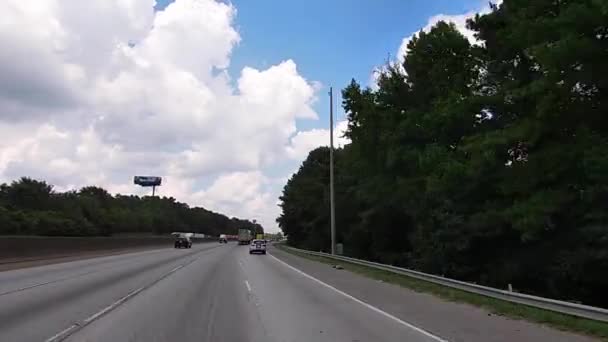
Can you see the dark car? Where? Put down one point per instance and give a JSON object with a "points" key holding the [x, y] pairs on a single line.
{"points": [[183, 242]]}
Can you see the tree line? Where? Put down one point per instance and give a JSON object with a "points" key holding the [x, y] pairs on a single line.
{"points": [[486, 162], [32, 207]]}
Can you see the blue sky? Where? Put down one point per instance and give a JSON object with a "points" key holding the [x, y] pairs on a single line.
{"points": [[331, 41]]}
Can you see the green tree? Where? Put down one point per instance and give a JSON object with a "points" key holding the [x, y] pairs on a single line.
{"points": [[27, 193], [484, 163], [31, 207]]}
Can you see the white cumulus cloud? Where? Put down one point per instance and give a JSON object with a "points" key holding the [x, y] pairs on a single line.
{"points": [[304, 142], [96, 91], [459, 21]]}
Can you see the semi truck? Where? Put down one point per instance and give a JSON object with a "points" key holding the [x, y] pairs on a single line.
{"points": [[244, 236]]}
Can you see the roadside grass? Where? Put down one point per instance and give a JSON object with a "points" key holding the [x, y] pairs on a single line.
{"points": [[494, 306]]}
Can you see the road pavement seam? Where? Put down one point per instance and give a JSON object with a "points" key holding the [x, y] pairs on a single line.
{"points": [[369, 306], [62, 335], [46, 283]]}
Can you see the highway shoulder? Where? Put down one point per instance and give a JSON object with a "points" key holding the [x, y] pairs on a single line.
{"points": [[450, 320]]}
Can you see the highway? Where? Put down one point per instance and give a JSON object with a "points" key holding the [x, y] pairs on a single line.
{"points": [[217, 292]]}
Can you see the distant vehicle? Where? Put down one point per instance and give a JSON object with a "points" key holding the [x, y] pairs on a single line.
{"points": [[257, 246], [244, 236], [223, 238], [183, 242], [188, 235]]}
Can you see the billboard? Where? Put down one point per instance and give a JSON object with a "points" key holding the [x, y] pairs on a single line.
{"points": [[147, 180]]}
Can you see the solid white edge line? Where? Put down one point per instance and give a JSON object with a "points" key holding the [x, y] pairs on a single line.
{"points": [[369, 306], [248, 286]]}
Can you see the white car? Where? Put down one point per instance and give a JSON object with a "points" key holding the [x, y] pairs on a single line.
{"points": [[257, 246]]}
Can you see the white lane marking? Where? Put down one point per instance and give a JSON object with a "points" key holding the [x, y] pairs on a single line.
{"points": [[369, 306], [64, 333], [248, 286], [173, 270], [125, 298], [241, 265], [59, 336], [112, 306]]}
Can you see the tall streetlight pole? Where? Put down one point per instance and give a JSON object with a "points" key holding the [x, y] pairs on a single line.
{"points": [[331, 172]]}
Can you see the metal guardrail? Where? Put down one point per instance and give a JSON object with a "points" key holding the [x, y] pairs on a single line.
{"points": [[573, 309]]}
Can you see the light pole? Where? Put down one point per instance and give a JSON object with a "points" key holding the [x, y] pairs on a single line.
{"points": [[332, 214]]}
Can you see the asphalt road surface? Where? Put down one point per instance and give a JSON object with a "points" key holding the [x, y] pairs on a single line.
{"points": [[218, 292]]}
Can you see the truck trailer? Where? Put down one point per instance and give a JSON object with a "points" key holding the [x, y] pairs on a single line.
{"points": [[244, 236]]}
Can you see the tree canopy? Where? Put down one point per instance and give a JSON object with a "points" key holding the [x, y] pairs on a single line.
{"points": [[31, 207], [486, 163]]}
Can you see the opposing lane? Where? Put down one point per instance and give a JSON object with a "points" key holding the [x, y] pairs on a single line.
{"points": [[36, 303]]}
